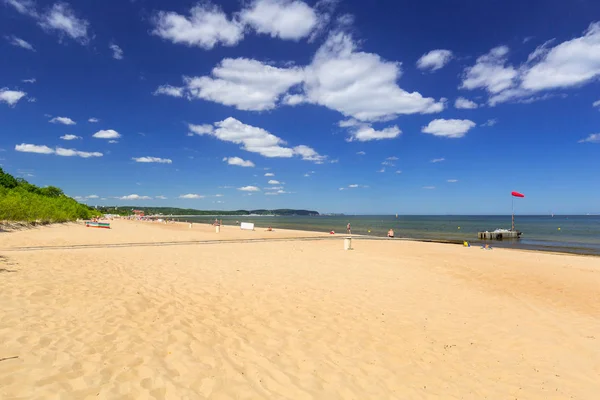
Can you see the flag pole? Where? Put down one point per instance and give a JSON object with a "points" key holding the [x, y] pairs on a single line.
{"points": [[513, 212]]}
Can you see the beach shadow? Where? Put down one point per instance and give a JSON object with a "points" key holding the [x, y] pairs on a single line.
{"points": [[4, 260]]}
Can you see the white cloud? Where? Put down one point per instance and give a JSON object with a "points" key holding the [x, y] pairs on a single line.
{"points": [[255, 140], [361, 153], [434, 60], [293, 99], [437, 160], [382, 170], [205, 27], [388, 163], [32, 148], [309, 154], [274, 182], [59, 151], [70, 137], [25, 7], [398, 172], [285, 19], [76, 153], [452, 180], [593, 138], [249, 189], [107, 134], [568, 64], [353, 186], [30, 80], [113, 141], [134, 197], [490, 72], [450, 128], [18, 42], [11, 97], [239, 162], [169, 91], [466, 104], [429, 187], [117, 51], [365, 133], [62, 120], [152, 160], [218, 195], [160, 197], [274, 188], [191, 196], [392, 158], [200, 130], [93, 120], [244, 83], [360, 85], [490, 122], [62, 19], [269, 174]]}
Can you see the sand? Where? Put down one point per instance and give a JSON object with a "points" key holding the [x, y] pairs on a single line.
{"points": [[171, 314]]}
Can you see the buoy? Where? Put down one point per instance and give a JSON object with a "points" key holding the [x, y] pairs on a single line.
{"points": [[559, 229], [459, 227]]}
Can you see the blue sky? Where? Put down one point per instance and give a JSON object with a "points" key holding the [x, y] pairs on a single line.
{"points": [[404, 107]]}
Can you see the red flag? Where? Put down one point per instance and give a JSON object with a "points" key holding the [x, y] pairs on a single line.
{"points": [[517, 194]]}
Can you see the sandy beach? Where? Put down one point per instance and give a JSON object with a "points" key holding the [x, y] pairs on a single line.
{"points": [[146, 310]]}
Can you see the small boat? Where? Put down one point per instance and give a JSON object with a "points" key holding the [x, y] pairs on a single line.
{"points": [[92, 224]]}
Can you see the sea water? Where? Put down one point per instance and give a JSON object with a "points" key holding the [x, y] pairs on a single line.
{"points": [[573, 234]]}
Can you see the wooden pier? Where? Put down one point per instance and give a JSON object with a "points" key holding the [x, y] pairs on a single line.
{"points": [[499, 235]]}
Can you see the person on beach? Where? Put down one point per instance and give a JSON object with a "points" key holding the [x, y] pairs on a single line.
{"points": [[348, 229], [391, 233], [269, 229]]}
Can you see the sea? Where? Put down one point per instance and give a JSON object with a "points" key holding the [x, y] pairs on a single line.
{"points": [[578, 234]]}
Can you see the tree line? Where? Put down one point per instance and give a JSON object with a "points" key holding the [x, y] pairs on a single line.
{"points": [[25, 202], [189, 211]]}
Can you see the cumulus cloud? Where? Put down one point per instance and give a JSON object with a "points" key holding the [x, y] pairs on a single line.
{"points": [[398, 172], [571, 63], [255, 140], [364, 132], [452, 180], [490, 72], [361, 153], [32, 148], [437, 160], [269, 174], [62, 19], [59, 151], [117, 51], [76, 153], [274, 182], [357, 84], [70, 137], [107, 134], [160, 197], [18, 42], [465, 104], [239, 162], [62, 120], [169, 91], [434, 60], [30, 80], [134, 197], [450, 128], [152, 160], [93, 120], [593, 138], [191, 196], [285, 19], [205, 27], [244, 83], [11, 97], [249, 189]]}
